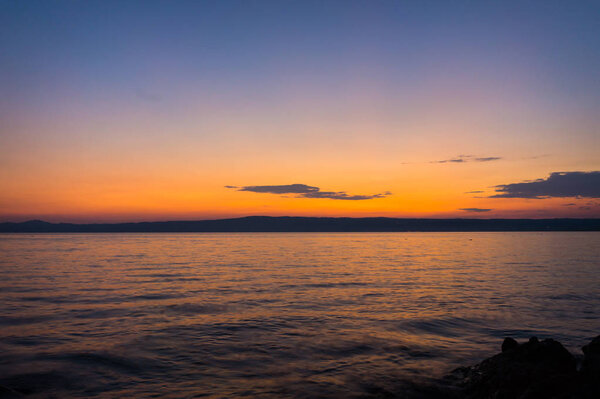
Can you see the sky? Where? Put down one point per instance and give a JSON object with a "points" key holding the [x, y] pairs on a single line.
{"points": [[172, 110]]}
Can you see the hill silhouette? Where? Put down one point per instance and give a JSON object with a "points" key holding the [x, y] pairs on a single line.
{"points": [[309, 224]]}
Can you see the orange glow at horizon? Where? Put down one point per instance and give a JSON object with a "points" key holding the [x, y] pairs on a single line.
{"points": [[154, 125]]}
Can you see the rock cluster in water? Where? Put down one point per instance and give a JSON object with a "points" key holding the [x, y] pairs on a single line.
{"points": [[534, 369]]}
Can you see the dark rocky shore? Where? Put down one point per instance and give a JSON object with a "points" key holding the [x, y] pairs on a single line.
{"points": [[530, 370]]}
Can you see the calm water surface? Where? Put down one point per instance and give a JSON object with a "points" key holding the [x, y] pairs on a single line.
{"points": [[280, 315]]}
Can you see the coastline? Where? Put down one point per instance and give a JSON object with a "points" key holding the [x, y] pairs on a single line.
{"points": [[309, 224]]}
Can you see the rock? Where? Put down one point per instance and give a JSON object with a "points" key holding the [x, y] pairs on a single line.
{"points": [[535, 369], [7, 393], [590, 368], [593, 347], [591, 360], [509, 344]]}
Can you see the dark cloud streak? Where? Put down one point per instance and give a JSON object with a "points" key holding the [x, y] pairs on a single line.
{"points": [[282, 189], [453, 160], [305, 191], [341, 195], [487, 159], [467, 158], [558, 184]]}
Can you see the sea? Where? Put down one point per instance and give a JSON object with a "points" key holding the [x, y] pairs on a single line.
{"points": [[281, 315]]}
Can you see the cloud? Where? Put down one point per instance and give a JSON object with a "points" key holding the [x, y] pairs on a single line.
{"points": [[558, 184], [305, 191], [341, 195], [467, 158], [474, 192], [283, 189], [537, 156], [487, 159], [475, 209], [453, 160]]}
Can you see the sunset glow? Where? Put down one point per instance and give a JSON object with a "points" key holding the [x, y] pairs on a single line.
{"points": [[115, 114]]}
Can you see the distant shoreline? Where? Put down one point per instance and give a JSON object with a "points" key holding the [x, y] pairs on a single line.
{"points": [[289, 224]]}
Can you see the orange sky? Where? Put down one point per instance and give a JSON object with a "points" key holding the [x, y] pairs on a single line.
{"points": [[143, 117]]}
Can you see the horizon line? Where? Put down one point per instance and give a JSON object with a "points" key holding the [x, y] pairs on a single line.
{"points": [[298, 217], [310, 224]]}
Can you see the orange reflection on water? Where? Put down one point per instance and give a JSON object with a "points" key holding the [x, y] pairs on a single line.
{"points": [[281, 314]]}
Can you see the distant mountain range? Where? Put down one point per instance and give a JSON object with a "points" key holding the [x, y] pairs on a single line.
{"points": [[308, 224]]}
